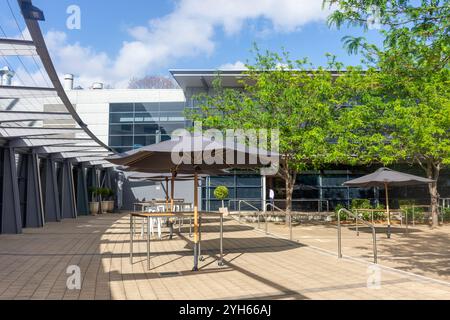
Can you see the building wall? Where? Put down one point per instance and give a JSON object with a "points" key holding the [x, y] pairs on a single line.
{"points": [[93, 106]]}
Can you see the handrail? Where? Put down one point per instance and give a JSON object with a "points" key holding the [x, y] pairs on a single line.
{"points": [[251, 206], [374, 233], [319, 202], [273, 206]]}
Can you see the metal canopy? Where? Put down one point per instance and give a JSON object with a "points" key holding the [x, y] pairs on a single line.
{"points": [[44, 144], [27, 112], [14, 47]]}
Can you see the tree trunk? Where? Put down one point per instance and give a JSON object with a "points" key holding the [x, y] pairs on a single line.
{"points": [[433, 173], [290, 182]]}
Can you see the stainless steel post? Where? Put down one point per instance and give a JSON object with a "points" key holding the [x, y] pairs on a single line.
{"points": [[221, 240], [339, 235], [148, 243], [375, 254], [290, 225], [267, 227], [131, 239]]}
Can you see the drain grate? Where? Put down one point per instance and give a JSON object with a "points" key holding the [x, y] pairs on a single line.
{"points": [[169, 274]]}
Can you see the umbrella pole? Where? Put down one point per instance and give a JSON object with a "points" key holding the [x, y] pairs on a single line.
{"points": [[172, 191], [167, 194], [388, 211], [196, 236]]}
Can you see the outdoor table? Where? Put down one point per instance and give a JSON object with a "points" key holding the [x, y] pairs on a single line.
{"points": [[142, 204], [148, 215]]}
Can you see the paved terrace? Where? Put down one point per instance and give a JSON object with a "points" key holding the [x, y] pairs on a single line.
{"points": [[33, 266]]}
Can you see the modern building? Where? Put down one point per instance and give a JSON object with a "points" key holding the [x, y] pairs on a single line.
{"points": [[131, 118]]}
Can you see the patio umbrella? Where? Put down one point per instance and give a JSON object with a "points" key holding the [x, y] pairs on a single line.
{"points": [[385, 177], [193, 155]]}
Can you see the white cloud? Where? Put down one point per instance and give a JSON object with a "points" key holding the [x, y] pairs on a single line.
{"points": [[188, 31], [238, 65]]}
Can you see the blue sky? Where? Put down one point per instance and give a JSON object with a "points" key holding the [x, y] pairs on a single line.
{"points": [[121, 39]]}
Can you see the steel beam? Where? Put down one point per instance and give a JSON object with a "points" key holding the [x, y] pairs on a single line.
{"points": [[51, 202], [11, 218]]}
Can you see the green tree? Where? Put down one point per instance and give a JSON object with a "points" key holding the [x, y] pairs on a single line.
{"points": [[284, 94], [413, 81]]}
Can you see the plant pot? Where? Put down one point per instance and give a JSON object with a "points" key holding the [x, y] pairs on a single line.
{"points": [[109, 206], [224, 211], [93, 208]]}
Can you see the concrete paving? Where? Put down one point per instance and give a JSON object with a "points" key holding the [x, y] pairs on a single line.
{"points": [[34, 265]]}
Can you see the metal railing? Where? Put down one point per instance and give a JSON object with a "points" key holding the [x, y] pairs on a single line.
{"points": [[274, 207], [319, 202], [251, 206], [356, 217]]}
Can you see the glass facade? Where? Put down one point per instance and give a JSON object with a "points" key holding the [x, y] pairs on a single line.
{"points": [[240, 186], [134, 125]]}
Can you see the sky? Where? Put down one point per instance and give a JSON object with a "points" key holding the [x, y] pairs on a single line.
{"points": [[113, 41]]}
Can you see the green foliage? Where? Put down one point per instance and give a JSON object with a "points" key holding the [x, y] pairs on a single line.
{"points": [[361, 204], [343, 215], [408, 110], [93, 191], [221, 192], [446, 213], [300, 101]]}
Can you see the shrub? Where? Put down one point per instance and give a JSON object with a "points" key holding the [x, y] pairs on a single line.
{"points": [[446, 213], [361, 204], [419, 213], [221, 193], [343, 215]]}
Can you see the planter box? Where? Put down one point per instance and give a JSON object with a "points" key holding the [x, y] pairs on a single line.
{"points": [[93, 208]]}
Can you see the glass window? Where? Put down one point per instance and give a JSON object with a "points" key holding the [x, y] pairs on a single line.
{"points": [[334, 180], [118, 129], [140, 129], [121, 141], [168, 128], [251, 193], [121, 118], [222, 181], [147, 117], [248, 181], [144, 140], [147, 107], [121, 107], [165, 138], [172, 106], [121, 150]]}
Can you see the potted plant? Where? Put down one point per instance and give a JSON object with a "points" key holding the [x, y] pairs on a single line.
{"points": [[110, 201], [221, 193], [94, 204], [104, 194]]}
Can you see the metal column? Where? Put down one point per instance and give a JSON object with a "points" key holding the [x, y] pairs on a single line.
{"points": [[11, 218], [82, 191], [68, 205], [33, 213], [51, 202]]}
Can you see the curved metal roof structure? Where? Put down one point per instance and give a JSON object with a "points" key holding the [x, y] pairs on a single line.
{"points": [[41, 118], [48, 157]]}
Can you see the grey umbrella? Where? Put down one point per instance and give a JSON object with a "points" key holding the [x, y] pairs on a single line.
{"points": [[385, 177], [193, 155]]}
